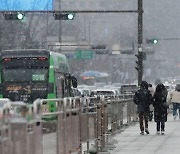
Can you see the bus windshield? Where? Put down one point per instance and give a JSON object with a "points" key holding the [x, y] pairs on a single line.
{"points": [[25, 75]]}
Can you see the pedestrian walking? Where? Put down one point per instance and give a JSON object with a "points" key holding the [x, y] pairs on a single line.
{"points": [[174, 98], [160, 107], [151, 108], [142, 99]]}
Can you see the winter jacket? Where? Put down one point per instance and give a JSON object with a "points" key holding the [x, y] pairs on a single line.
{"points": [[160, 108], [142, 98], [174, 96]]}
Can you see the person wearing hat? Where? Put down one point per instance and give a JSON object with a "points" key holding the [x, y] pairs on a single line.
{"points": [[142, 98]]}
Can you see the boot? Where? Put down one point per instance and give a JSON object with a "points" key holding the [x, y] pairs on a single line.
{"points": [[142, 133], [157, 132]]}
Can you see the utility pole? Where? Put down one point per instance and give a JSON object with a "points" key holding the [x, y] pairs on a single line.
{"points": [[60, 30], [140, 42]]}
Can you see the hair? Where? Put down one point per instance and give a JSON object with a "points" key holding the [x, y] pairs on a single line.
{"points": [[144, 85], [160, 87]]}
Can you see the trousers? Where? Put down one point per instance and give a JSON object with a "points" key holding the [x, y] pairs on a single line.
{"points": [[160, 124], [143, 120]]}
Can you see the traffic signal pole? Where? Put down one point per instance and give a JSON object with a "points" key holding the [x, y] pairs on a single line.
{"points": [[140, 41], [60, 29]]}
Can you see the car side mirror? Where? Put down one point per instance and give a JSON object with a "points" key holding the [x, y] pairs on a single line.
{"points": [[74, 82]]}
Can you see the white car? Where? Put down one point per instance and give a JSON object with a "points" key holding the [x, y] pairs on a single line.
{"points": [[105, 92]]}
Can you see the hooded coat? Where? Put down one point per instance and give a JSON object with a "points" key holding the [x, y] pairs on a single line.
{"points": [[159, 101], [142, 98]]}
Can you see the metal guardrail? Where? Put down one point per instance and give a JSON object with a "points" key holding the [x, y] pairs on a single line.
{"points": [[18, 134], [80, 125]]}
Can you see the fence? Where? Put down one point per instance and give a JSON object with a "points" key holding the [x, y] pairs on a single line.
{"points": [[79, 125]]}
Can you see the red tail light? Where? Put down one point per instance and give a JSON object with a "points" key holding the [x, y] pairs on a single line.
{"points": [[41, 58], [7, 59]]}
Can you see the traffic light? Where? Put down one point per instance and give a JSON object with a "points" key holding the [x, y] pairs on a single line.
{"points": [[64, 16], [139, 63], [20, 16], [141, 55], [152, 41], [14, 16]]}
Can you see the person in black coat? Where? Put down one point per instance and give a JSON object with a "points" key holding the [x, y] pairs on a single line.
{"points": [[160, 107], [142, 99]]}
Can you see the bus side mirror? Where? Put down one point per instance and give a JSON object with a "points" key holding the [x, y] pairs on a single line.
{"points": [[74, 82], [50, 87]]}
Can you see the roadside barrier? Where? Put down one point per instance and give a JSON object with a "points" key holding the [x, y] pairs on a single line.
{"points": [[19, 135], [120, 112], [4, 127], [79, 125]]}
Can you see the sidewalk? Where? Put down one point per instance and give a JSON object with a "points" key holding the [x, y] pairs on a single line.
{"points": [[131, 142]]}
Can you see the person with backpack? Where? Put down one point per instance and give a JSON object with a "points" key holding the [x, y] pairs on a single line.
{"points": [[174, 98], [160, 107], [142, 98]]}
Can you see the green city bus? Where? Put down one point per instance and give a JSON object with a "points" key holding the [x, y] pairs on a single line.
{"points": [[28, 74]]}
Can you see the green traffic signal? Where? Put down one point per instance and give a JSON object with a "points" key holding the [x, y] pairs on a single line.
{"points": [[155, 41], [70, 16], [14, 16], [20, 16], [152, 41], [64, 16]]}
